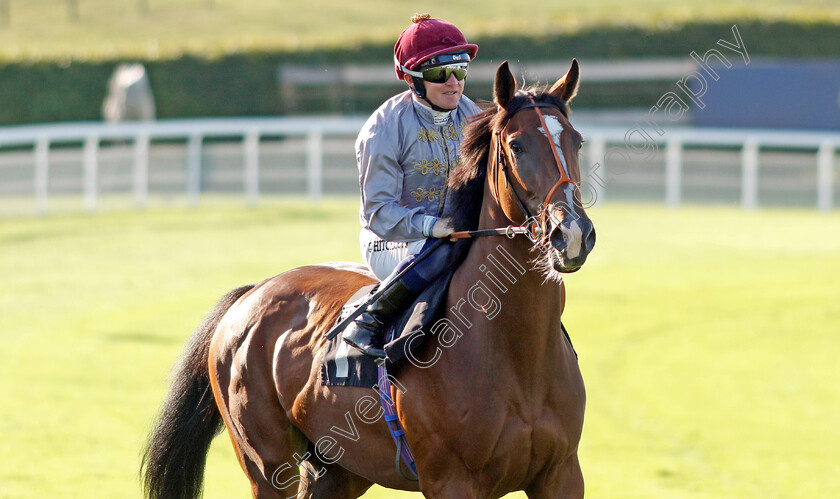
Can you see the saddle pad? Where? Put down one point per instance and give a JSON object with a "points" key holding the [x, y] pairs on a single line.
{"points": [[343, 365]]}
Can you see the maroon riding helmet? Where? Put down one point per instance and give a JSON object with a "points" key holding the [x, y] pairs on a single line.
{"points": [[426, 43], [425, 38]]}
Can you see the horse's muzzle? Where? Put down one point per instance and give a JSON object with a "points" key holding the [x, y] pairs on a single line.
{"points": [[573, 239]]}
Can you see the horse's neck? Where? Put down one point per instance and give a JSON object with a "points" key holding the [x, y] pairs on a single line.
{"points": [[512, 310]]}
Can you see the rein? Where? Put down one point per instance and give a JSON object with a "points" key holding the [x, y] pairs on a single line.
{"points": [[534, 227], [530, 228]]}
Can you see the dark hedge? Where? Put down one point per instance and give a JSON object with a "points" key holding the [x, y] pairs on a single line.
{"points": [[246, 84]]}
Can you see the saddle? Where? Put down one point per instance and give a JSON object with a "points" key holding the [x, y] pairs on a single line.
{"points": [[343, 365]]}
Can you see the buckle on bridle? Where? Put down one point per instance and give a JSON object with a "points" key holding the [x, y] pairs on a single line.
{"points": [[533, 229]]}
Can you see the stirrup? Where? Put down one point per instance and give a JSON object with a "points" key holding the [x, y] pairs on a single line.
{"points": [[370, 351], [362, 339]]}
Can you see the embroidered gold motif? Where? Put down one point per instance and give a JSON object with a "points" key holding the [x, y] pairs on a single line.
{"points": [[421, 193], [449, 132], [425, 166], [452, 132], [428, 135]]}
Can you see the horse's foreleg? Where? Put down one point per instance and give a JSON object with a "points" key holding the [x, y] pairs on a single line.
{"points": [[564, 481], [451, 490], [329, 481]]}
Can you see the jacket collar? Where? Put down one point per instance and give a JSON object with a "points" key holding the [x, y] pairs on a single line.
{"points": [[430, 116]]}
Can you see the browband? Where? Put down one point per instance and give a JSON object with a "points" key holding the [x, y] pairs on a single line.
{"points": [[534, 103]]}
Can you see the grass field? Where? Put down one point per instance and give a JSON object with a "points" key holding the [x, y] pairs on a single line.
{"points": [[35, 29], [707, 337]]}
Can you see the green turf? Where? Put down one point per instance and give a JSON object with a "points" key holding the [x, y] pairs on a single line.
{"points": [[111, 28], [707, 338]]}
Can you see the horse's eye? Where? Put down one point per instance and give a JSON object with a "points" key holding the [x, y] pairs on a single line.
{"points": [[515, 147]]}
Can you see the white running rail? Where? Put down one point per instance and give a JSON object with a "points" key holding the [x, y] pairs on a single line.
{"points": [[635, 143]]}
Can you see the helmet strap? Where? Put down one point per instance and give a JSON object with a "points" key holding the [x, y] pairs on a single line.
{"points": [[419, 90]]}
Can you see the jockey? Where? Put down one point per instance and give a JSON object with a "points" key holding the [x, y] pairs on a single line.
{"points": [[405, 153]]}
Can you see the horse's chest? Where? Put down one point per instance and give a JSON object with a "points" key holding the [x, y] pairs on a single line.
{"points": [[519, 442], [547, 435]]}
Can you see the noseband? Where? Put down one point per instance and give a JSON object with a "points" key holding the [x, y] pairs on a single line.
{"points": [[535, 227]]}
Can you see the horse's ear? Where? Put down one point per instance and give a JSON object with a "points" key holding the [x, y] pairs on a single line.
{"points": [[566, 87], [505, 86]]}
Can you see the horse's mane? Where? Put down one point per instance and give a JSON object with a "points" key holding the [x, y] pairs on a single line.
{"points": [[467, 181]]}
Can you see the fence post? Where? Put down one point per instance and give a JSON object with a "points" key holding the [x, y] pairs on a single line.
{"points": [[91, 168], [141, 170], [673, 173], [251, 146], [314, 165], [749, 174], [42, 167], [825, 176], [194, 169]]}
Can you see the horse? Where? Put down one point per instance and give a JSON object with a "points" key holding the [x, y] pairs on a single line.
{"points": [[493, 400]]}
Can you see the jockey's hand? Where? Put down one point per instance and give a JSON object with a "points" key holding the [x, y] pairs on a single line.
{"points": [[442, 228]]}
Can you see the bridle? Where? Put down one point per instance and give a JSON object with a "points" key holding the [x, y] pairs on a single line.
{"points": [[535, 227]]}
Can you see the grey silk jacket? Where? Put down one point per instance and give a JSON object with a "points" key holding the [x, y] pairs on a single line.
{"points": [[405, 153]]}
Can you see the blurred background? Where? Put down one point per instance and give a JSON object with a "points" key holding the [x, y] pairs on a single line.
{"points": [[281, 91], [143, 142]]}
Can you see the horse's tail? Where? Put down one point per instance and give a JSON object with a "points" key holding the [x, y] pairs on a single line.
{"points": [[172, 465]]}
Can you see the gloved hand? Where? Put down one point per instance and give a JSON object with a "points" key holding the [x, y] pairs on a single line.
{"points": [[442, 228]]}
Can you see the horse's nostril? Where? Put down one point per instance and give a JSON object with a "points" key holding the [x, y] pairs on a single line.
{"points": [[559, 239], [589, 241]]}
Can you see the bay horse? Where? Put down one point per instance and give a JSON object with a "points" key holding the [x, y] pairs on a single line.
{"points": [[493, 403]]}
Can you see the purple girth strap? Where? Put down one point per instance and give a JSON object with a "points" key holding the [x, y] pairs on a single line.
{"points": [[394, 426]]}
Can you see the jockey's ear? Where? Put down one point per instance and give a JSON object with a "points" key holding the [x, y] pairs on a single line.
{"points": [[505, 86], [566, 87]]}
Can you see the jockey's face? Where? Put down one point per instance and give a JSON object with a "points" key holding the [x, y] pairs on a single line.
{"points": [[445, 95]]}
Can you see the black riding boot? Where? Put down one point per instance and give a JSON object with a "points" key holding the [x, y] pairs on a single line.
{"points": [[367, 332]]}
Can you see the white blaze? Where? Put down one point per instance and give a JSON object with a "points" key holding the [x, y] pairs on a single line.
{"points": [[574, 238], [554, 131], [573, 235]]}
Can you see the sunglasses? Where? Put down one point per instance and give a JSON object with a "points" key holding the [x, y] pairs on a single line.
{"points": [[441, 74]]}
